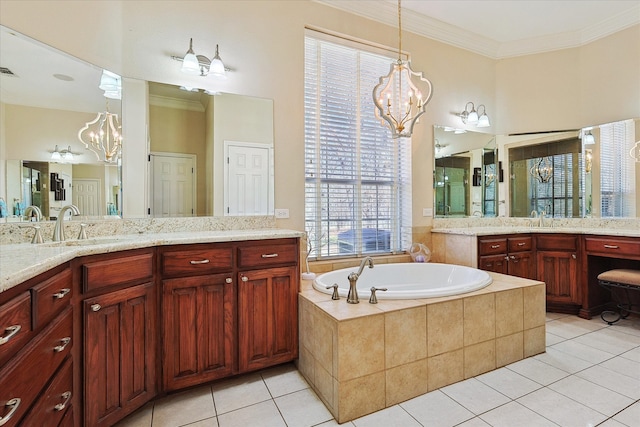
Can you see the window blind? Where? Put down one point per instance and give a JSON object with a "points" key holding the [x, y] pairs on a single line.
{"points": [[617, 183], [357, 178]]}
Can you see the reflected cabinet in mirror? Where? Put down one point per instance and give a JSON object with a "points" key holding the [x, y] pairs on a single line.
{"points": [[573, 174], [466, 173], [47, 98]]}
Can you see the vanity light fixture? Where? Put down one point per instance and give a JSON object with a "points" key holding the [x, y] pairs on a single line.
{"points": [[542, 170], [401, 96], [473, 117], [102, 136], [62, 155], [588, 138], [201, 65], [111, 84]]}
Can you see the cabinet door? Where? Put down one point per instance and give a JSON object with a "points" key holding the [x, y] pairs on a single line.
{"points": [[267, 317], [559, 270], [495, 263], [522, 264], [119, 353], [199, 329]]}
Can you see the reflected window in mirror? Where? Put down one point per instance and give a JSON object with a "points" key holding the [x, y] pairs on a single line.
{"points": [[547, 178]]}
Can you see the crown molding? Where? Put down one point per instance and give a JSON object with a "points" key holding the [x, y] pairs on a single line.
{"points": [[386, 13], [179, 104]]}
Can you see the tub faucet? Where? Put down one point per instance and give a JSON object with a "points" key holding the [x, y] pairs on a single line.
{"points": [[33, 211], [58, 231], [352, 297]]}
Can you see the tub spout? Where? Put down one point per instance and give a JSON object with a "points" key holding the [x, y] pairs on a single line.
{"points": [[352, 296]]}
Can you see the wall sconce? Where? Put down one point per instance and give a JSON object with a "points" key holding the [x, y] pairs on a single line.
{"points": [[62, 155], [474, 117], [588, 138], [588, 157], [542, 170], [111, 84], [201, 65]]}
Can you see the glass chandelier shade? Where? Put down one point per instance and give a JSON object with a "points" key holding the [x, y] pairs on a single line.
{"points": [[102, 137], [190, 63], [401, 96]]}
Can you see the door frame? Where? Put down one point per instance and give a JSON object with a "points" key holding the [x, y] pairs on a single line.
{"points": [[270, 172], [193, 158], [102, 208]]}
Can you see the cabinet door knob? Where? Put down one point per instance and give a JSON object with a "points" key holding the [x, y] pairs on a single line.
{"points": [[228, 280], [65, 341], [245, 279], [60, 406], [202, 261], [13, 403], [95, 307], [12, 331], [573, 256], [62, 293]]}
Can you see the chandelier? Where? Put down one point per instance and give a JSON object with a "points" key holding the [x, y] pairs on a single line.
{"points": [[635, 152], [102, 136], [542, 170], [398, 99]]}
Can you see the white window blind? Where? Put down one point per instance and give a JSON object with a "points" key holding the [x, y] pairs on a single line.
{"points": [[358, 186], [617, 182]]}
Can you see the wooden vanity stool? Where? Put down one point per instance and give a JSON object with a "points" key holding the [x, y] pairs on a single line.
{"points": [[621, 283]]}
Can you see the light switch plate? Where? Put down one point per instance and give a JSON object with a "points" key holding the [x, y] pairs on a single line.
{"points": [[427, 211]]}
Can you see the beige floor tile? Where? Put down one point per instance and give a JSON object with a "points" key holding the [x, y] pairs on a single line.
{"points": [[436, 409], [476, 396], [209, 422], [264, 414], [610, 340], [509, 383], [392, 416], [184, 408], [592, 395], [564, 361], [538, 371], [612, 380], [140, 418], [236, 393], [560, 409], [284, 379], [302, 409], [474, 422], [630, 415], [513, 414], [623, 366]]}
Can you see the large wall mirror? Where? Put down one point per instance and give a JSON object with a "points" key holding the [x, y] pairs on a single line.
{"points": [[47, 96], [226, 140], [466, 173], [573, 174]]}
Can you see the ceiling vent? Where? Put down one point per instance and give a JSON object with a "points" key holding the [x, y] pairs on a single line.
{"points": [[7, 72]]}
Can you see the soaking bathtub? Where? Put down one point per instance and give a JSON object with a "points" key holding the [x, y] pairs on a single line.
{"points": [[407, 280]]}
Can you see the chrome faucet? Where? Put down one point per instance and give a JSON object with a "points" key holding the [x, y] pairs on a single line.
{"points": [[352, 296], [33, 211], [58, 231], [542, 214]]}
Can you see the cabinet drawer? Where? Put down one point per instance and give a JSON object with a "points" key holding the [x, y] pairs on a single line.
{"points": [[556, 242], [197, 261], [267, 255], [25, 376], [117, 270], [15, 325], [53, 402], [519, 244], [613, 246], [492, 246], [50, 297]]}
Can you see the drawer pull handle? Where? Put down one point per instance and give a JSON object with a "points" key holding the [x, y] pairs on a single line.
{"points": [[495, 246], [521, 243], [63, 292], [95, 307], [611, 247], [13, 403], [12, 331], [202, 261], [65, 341], [269, 255], [228, 280], [245, 279], [60, 406]]}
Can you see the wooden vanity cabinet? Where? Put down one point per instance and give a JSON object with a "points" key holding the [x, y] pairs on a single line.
{"points": [[119, 333], [198, 312], [558, 257], [268, 284], [38, 352], [511, 255]]}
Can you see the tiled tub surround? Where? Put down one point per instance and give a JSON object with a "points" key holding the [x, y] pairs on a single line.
{"points": [[361, 358]]}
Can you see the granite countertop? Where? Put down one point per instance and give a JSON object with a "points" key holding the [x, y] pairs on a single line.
{"points": [[489, 231], [22, 261]]}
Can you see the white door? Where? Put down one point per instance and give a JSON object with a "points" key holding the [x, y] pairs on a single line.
{"points": [[173, 183], [247, 189], [86, 196]]}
